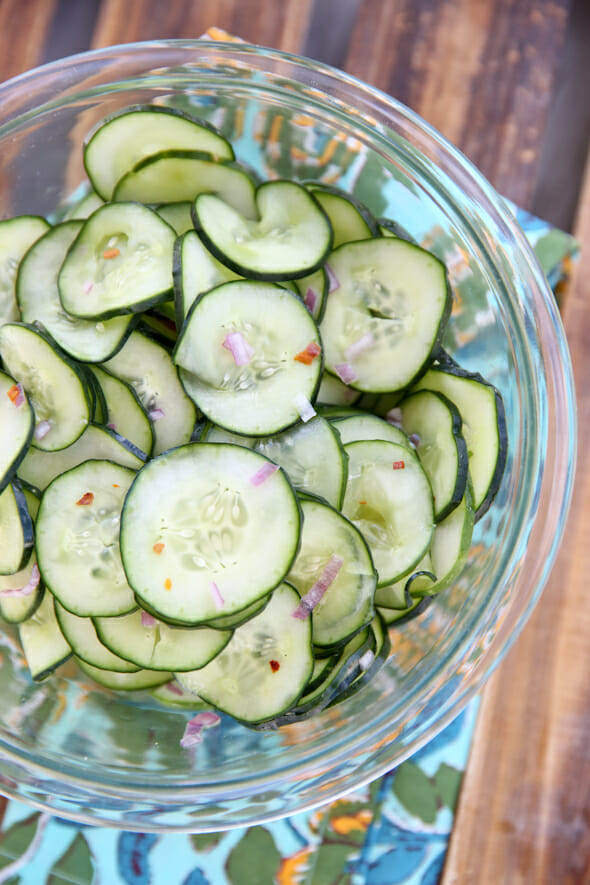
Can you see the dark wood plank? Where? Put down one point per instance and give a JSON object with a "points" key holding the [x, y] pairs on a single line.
{"points": [[71, 28], [281, 25], [24, 28], [524, 809], [330, 29], [480, 72]]}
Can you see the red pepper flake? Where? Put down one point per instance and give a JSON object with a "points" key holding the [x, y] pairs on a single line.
{"points": [[274, 666], [157, 548], [308, 355], [362, 502], [87, 498], [168, 584], [399, 465], [15, 395], [116, 485], [111, 253]]}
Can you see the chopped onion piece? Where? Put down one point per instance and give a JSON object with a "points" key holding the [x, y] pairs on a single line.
{"points": [[16, 395], [365, 342], [345, 372], [147, 620], [304, 407], [311, 299], [317, 590], [241, 351], [174, 688], [263, 473], [156, 414], [111, 426], [192, 732], [414, 439], [394, 416], [333, 281], [216, 593], [88, 287], [42, 429], [29, 587], [366, 660]]}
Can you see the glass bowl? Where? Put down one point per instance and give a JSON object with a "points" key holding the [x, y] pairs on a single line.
{"points": [[100, 757]]}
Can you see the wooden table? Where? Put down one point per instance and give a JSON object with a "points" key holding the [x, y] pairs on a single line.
{"points": [[506, 80]]}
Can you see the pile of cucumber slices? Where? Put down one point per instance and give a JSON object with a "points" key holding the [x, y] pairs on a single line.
{"points": [[232, 449]]}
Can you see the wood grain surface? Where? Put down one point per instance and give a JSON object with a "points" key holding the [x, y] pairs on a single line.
{"points": [[484, 73]]}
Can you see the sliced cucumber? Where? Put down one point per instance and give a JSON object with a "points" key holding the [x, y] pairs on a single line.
{"points": [[124, 681], [258, 391], [313, 457], [17, 235], [195, 271], [350, 220], [43, 642], [483, 425], [364, 426], [77, 539], [450, 547], [201, 538], [389, 499], [178, 216], [16, 530], [159, 646], [334, 392], [125, 413], [435, 424], [56, 386], [313, 290], [21, 593], [120, 141], [346, 606], [38, 299], [147, 367], [214, 434], [264, 667], [173, 176], [392, 296], [398, 594], [81, 209], [82, 637], [40, 468], [291, 240], [17, 424], [230, 622], [120, 263]]}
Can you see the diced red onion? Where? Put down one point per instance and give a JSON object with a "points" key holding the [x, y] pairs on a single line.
{"points": [[147, 620], [20, 395], [304, 407], [414, 439], [365, 342], [333, 281], [42, 429], [174, 688], [311, 299], [192, 732], [88, 287], [29, 587], [317, 590], [394, 416], [111, 426], [216, 594], [263, 473], [156, 414], [241, 351], [345, 372]]}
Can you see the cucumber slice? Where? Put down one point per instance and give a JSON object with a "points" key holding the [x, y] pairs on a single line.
{"points": [[77, 539], [172, 694], [40, 468], [124, 681], [16, 530], [120, 141], [147, 367], [333, 392], [120, 263], [349, 219], [389, 499], [14, 609], [227, 540], [17, 424], [17, 235], [159, 646], [346, 606], [392, 295], [398, 594], [259, 393], [178, 216], [313, 457], [84, 207], [43, 643], [230, 622], [173, 176], [264, 667], [83, 639], [313, 290], [371, 662], [364, 426], [483, 425], [56, 386], [434, 421], [38, 299], [124, 412], [195, 271], [214, 434], [291, 240]]}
